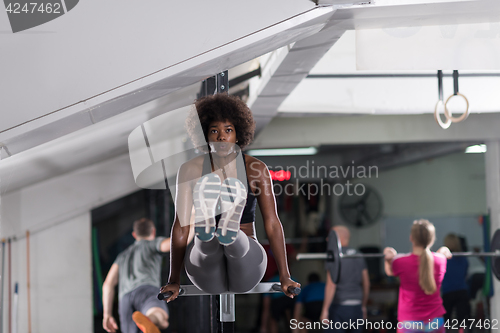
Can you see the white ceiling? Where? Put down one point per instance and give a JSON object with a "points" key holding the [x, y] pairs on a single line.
{"points": [[351, 93], [386, 95], [63, 145]]}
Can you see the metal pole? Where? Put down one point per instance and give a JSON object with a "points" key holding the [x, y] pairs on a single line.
{"points": [[227, 316], [9, 283], [329, 256], [455, 82], [28, 287], [227, 313], [455, 254], [14, 313], [2, 278], [440, 84], [214, 85]]}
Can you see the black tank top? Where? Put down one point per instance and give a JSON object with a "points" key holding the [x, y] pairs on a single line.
{"points": [[249, 211]]}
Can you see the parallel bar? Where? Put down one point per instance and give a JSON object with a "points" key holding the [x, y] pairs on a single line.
{"points": [[263, 287]]}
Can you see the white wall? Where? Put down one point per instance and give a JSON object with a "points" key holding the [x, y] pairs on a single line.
{"points": [[449, 190], [450, 185], [60, 278], [57, 213]]}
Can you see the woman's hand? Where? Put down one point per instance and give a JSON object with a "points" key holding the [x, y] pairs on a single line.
{"points": [[173, 288], [286, 283], [445, 251], [390, 253]]}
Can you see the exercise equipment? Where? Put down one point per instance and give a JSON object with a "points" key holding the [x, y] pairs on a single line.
{"points": [[437, 117], [227, 315], [15, 310], [449, 118], [334, 254]]}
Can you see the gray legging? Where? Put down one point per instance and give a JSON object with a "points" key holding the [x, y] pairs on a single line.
{"points": [[215, 268]]}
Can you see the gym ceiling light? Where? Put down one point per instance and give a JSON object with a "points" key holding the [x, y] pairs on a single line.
{"points": [[283, 151]]}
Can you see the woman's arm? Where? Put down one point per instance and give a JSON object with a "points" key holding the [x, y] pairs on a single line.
{"points": [[390, 253], [179, 241], [445, 251], [180, 234], [272, 224], [166, 243]]}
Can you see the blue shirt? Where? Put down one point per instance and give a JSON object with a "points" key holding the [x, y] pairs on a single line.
{"points": [[456, 272], [312, 292]]}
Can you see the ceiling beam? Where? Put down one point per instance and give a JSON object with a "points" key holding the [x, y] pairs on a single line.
{"points": [[374, 129], [163, 82]]}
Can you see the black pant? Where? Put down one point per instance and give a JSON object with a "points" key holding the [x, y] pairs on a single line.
{"points": [[141, 299], [460, 301]]}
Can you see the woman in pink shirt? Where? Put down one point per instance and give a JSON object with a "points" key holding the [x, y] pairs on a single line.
{"points": [[420, 307]]}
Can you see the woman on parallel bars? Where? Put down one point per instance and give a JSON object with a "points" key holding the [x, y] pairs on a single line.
{"points": [[224, 185]]}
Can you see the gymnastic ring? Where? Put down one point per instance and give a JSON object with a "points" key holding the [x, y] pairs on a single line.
{"points": [[437, 117], [463, 116]]}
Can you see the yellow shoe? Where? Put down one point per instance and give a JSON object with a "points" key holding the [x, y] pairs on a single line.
{"points": [[144, 323]]}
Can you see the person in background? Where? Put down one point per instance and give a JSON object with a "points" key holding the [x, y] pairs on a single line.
{"points": [[454, 288], [310, 301], [420, 307], [347, 299], [136, 271]]}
